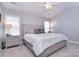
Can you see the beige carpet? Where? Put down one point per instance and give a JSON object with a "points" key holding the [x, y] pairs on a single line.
{"points": [[71, 50]]}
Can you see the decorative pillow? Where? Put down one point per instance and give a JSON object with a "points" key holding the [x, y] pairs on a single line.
{"points": [[42, 30], [37, 31]]}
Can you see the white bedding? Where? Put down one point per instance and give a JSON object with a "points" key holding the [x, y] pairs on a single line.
{"points": [[42, 41]]}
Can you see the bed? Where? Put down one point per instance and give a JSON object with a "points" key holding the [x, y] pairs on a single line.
{"points": [[43, 45]]}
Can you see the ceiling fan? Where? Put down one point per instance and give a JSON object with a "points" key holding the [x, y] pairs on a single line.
{"points": [[48, 5]]}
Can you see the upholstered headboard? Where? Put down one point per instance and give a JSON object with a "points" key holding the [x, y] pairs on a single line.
{"points": [[28, 28]]}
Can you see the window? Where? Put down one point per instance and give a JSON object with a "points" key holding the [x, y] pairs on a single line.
{"points": [[47, 26], [12, 25]]}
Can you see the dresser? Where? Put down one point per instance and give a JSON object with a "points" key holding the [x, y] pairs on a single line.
{"points": [[13, 41]]}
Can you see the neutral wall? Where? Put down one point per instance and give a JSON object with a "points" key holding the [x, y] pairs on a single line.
{"points": [[67, 22], [0, 10], [30, 19], [25, 18]]}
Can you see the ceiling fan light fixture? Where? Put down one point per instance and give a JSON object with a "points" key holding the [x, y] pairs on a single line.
{"points": [[48, 5]]}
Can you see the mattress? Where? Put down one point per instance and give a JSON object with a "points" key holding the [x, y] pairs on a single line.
{"points": [[32, 38], [47, 52], [41, 42]]}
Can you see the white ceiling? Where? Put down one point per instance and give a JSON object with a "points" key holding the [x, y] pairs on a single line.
{"points": [[37, 8]]}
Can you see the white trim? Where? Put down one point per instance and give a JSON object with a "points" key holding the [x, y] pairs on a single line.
{"points": [[71, 41]]}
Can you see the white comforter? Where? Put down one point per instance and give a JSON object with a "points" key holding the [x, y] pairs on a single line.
{"points": [[42, 41]]}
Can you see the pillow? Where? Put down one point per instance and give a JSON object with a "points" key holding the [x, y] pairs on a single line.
{"points": [[37, 31], [42, 30]]}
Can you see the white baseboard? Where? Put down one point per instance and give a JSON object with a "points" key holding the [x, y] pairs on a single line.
{"points": [[73, 41]]}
